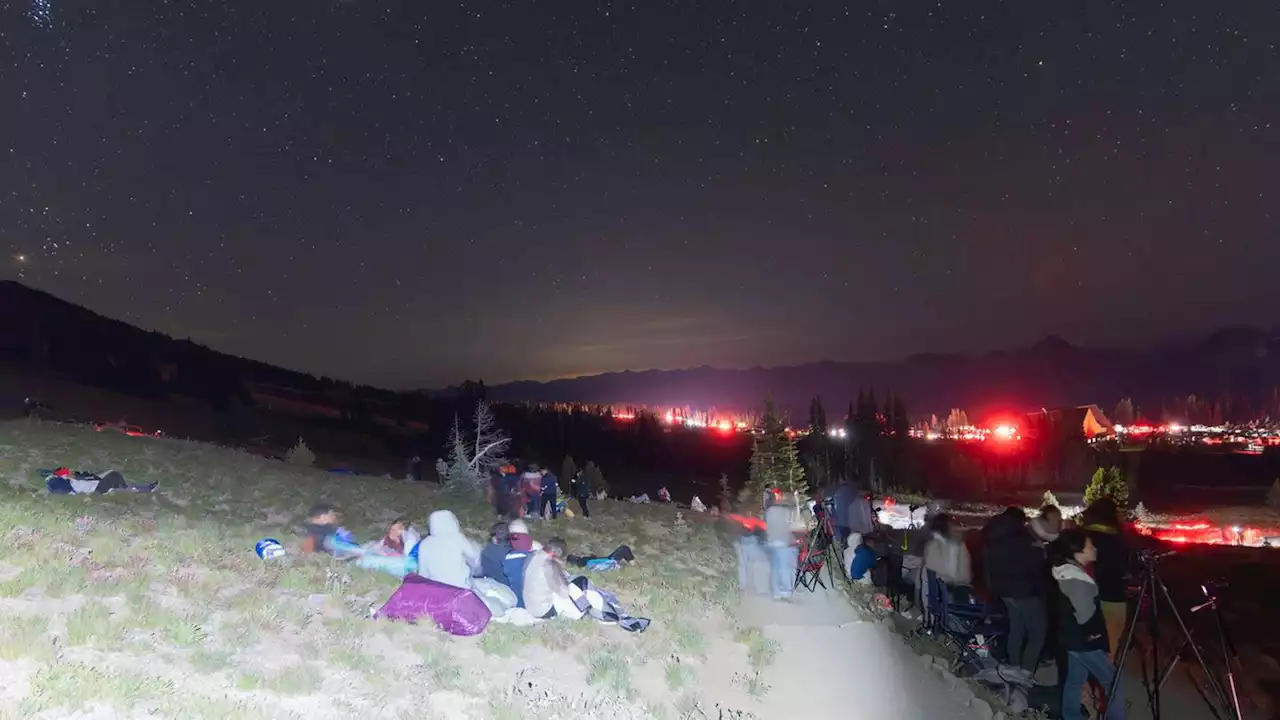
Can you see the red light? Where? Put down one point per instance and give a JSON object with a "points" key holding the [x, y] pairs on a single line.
{"points": [[724, 426]]}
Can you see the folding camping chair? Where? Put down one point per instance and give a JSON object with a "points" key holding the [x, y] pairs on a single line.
{"points": [[969, 628]]}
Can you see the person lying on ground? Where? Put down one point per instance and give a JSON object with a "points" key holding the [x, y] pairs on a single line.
{"points": [[322, 524], [621, 555], [495, 552], [445, 554], [946, 555], [546, 583]]}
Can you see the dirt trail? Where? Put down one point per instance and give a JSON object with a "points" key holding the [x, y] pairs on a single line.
{"points": [[833, 664]]}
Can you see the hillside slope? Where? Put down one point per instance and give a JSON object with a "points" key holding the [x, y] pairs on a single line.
{"points": [[135, 604]]}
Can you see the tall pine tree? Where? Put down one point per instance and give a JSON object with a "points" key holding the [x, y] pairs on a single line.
{"points": [[775, 461]]}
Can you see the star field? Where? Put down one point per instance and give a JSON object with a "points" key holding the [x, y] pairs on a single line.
{"points": [[411, 194]]}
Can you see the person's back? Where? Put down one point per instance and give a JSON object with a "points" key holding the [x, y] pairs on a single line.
{"points": [[494, 553], [1014, 565], [778, 519], [446, 555]]}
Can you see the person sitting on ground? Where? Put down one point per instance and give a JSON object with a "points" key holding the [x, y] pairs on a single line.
{"points": [[946, 555], [863, 560], [1082, 628], [549, 487], [495, 552], [322, 524], [546, 583], [1015, 572], [446, 555], [400, 538], [1048, 525], [513, 565], [1101, 520], [621, 556]]}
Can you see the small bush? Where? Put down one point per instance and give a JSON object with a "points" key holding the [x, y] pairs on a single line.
{"points": [[1107, 483], [300, 455]]}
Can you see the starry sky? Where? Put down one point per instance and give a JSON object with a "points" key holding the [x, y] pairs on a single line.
{"points": [[409, 194]]}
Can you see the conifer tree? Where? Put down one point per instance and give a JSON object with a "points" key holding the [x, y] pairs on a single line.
{"points": [[775, 461]]}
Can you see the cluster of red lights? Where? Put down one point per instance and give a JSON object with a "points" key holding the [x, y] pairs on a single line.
{"points": [[1204, 533]]}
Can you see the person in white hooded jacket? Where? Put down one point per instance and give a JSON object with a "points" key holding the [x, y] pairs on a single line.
{"points": [[946, 555], [445, 554]]}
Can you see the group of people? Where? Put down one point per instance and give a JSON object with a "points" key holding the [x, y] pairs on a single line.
{"points": [[534, 492], [511, 571], [1057, 581]]}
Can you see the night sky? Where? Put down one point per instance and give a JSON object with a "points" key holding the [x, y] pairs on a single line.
{"points": [[413, 193]]}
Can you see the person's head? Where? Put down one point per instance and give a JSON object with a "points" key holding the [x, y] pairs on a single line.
{"points": [[1102, 511], [1074, 545], [944, 525], [518, 535], [533, 468], [324, 514], [1015, 513], [443, 523], [500, 534], [556, 547], [396, 529], [1052, 516]]}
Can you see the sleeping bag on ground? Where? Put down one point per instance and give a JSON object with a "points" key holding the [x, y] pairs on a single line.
{"points": [[456, 610]]}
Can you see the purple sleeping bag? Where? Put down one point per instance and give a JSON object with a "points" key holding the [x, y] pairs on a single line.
{"points": [[456, 610]]}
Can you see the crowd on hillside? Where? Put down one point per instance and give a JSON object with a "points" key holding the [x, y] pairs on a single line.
{"points": [[511, 571], [1057, 586]]}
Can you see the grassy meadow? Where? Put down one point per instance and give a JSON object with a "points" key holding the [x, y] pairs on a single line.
{"points": [[132, 605]]}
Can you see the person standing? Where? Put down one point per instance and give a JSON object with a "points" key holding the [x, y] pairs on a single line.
{"points": [[780, 540], [548, 488], [1082, 628], [580, 486], [531, 486], [1015, 570], [1101, 520]]}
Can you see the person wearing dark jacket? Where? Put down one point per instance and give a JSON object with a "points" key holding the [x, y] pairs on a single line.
{"points": [[1101, 520], [493, 554], [580, 486], [1082, 629], [550, 485], [1015, 569]]}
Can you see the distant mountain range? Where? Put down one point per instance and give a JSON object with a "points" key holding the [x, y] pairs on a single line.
{"points": [[1239, 367]]}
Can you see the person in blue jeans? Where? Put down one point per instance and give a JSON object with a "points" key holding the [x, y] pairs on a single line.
{"points": [[1082, 629], [780, 542]]}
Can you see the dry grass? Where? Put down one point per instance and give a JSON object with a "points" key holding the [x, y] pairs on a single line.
{"points": [[156, 605]]}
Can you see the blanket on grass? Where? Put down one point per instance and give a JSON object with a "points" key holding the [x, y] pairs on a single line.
{"points": [[457, 611]]}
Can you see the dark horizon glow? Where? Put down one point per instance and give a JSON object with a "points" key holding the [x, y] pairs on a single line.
{"points": [[411, 196]]}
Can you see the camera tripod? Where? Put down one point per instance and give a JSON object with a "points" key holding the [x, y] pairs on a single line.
{"points": [[1152, 589], [818, 551]]}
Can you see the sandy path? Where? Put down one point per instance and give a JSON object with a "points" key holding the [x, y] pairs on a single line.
{"points": [[832, 664]]}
